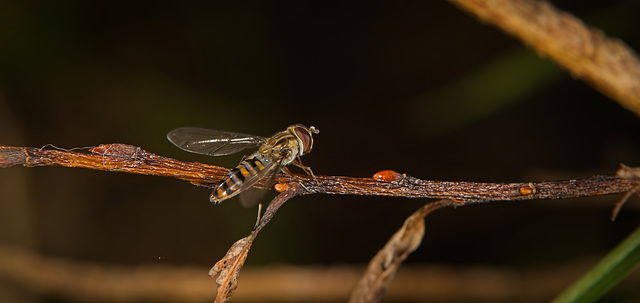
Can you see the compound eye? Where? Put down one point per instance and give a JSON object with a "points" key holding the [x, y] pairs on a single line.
{"points": [[305, 137]]}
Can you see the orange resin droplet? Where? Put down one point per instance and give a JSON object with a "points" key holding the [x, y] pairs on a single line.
{"points": [[387, 176], [280, 187], [528, 190]]}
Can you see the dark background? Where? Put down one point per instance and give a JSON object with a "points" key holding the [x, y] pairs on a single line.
{"points": [[419, 87]]}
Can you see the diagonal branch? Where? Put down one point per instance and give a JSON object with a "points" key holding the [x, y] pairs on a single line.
{"points": [[228, 268], [607, 64]]}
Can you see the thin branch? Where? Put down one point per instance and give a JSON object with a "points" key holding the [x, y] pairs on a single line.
{"points": [[131, 159], [607, 64], [468, 192]]}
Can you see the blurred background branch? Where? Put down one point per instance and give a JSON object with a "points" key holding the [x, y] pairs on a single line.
{"points": [[607, 64], [91, 282]]}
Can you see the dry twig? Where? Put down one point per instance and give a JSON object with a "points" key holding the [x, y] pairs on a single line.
{"points": [[131, 159], [385, 264], [228, 268]]}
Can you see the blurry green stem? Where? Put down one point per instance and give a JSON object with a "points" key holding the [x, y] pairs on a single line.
{"points": [[606, 274]]}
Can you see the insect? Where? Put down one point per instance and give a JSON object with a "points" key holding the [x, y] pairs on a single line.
{"points": [[273, 155]]}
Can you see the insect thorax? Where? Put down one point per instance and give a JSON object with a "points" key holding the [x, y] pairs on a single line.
{"points": [[282, 145]]}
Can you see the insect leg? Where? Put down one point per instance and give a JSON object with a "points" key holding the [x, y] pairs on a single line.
{"points": [[288, 172], [298, 162]]}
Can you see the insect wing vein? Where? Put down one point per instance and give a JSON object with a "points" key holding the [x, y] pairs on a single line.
{"points": [[212, 142]]}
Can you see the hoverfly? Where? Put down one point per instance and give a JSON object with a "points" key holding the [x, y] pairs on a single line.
{"points": [[273, 155]]}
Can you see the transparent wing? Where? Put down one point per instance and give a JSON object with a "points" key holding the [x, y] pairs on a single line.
{"points": [[212, 142], [251, 196]]}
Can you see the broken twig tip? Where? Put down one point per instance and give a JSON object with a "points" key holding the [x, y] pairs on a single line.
{"points": [[629, 173], [10, 156]]}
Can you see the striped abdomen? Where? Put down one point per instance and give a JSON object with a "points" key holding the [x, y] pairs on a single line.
{"points": [[240, 178]]}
